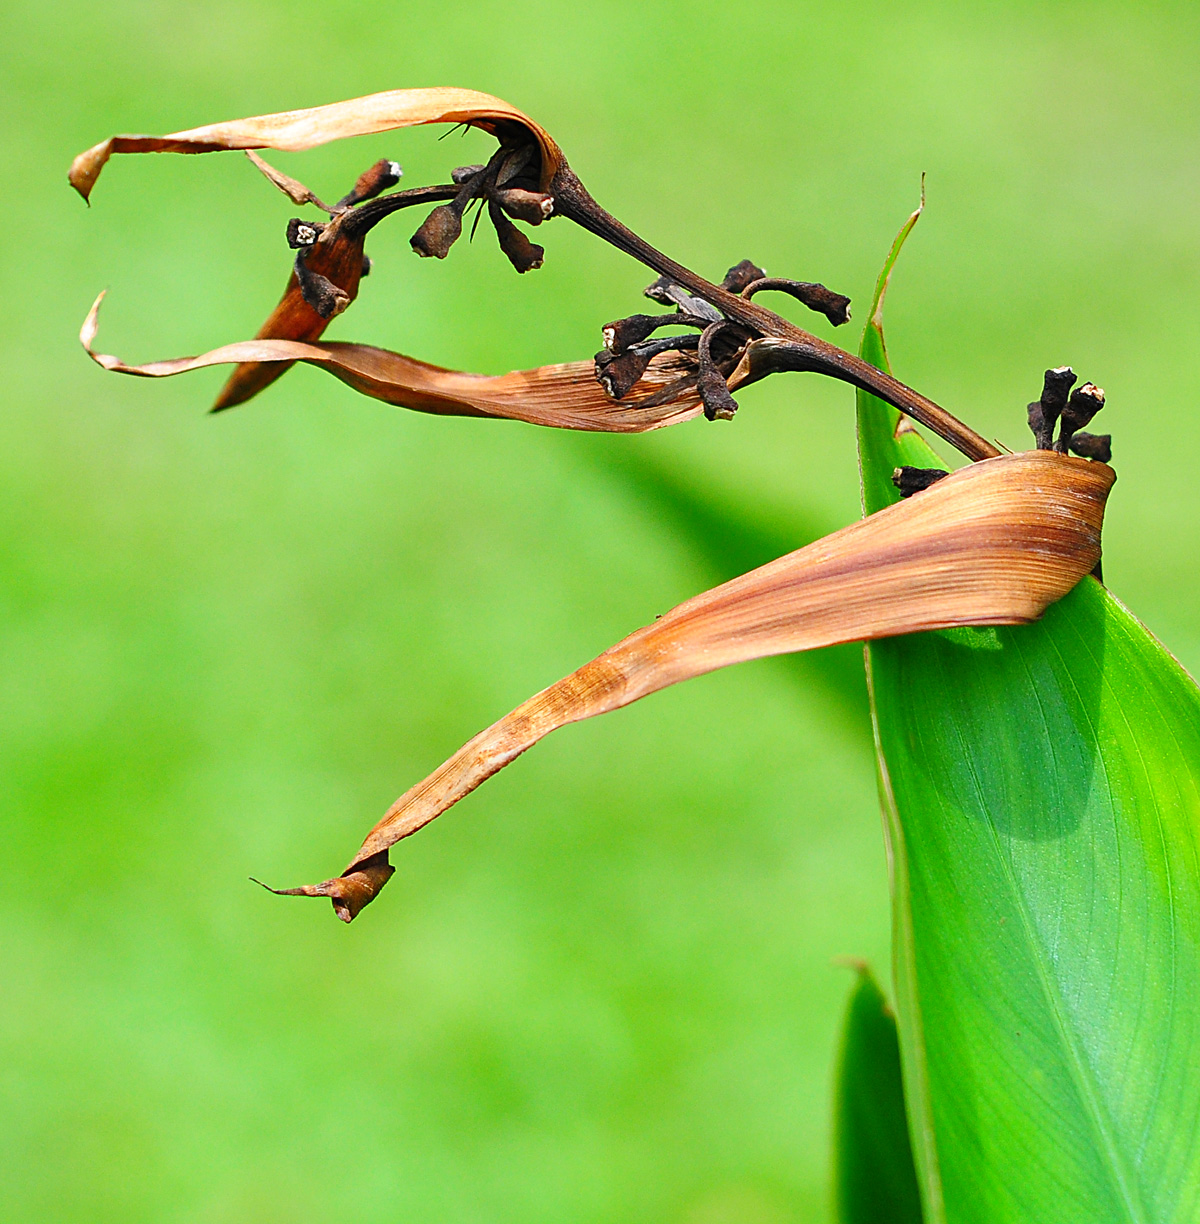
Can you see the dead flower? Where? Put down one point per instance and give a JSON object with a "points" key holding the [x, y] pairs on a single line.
{"points": [[992, 544]]}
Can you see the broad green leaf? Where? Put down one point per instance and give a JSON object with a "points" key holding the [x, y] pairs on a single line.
{"points": [[876, 1182], [1042, 795]]}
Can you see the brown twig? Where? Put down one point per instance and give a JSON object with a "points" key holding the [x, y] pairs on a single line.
{"points": [[798, 350]]}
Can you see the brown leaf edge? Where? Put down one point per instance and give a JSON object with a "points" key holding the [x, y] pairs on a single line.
{"points": [[566, 396], [295, 130], [995, 543]]}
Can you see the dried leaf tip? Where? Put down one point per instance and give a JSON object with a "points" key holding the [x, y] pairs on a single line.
{"points": [[350, 893]]}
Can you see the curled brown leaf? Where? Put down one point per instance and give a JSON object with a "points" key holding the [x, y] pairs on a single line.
{"points": [[995, 543], [292, 131], [565, 395]]}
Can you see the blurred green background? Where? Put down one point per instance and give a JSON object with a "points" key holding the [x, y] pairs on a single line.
{"points": [[603, 988]]}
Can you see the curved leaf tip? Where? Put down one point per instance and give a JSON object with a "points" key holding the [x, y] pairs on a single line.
{"points": [[305, 129]]}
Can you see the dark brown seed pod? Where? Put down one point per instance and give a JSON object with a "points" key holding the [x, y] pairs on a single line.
{"points": [[719, 405], [1044, 412], [522, 254], [326, 298], [834, 306], [1084, 403], [382, 175], [438, 232], [618, 375], [1092, 446], [741, 275]]}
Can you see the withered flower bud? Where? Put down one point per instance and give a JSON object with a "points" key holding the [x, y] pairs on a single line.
{"points": [[834, 306], [719, 405], [438, 232], [443, 227], [618, 375], [1044, 413], [382, 175], [1056, 385], [1084, 403], [620, 334], [910, 480], [1092, 446], [741, 275], [522, 254], [532, 207], [301, 233], [463, 174]]}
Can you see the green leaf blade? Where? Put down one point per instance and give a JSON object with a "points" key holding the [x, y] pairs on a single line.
{"points": [[1046, 789], [876, 1181]]}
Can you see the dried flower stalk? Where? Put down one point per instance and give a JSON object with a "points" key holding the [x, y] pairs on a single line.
{"points": [[527, 155]]}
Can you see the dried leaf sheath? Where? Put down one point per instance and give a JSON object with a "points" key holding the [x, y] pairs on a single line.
{"points": [[566, 396], [305, 129], [994, 543], [340, 260]]}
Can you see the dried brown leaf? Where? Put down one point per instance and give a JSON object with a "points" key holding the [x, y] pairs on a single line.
{"points": [[566, 396], [995, 543], [304, 129]]}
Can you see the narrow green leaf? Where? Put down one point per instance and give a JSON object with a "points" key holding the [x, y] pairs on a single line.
{"points": [[876, 1181], [1042, 795]]}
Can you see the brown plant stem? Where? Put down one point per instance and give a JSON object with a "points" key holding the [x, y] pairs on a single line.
{"points": [[364, 217], [804, 351]]}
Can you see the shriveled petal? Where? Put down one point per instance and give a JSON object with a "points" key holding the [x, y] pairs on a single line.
{"points": [[566, 396], [995, 543], [304, 129]]}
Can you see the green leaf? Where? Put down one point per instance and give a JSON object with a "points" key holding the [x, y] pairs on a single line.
{"points": [[876, 1181], [1042, 801]]}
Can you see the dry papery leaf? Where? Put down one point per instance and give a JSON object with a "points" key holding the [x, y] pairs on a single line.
{"points": [[995, 543], [292, 131], [566, 396]]}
